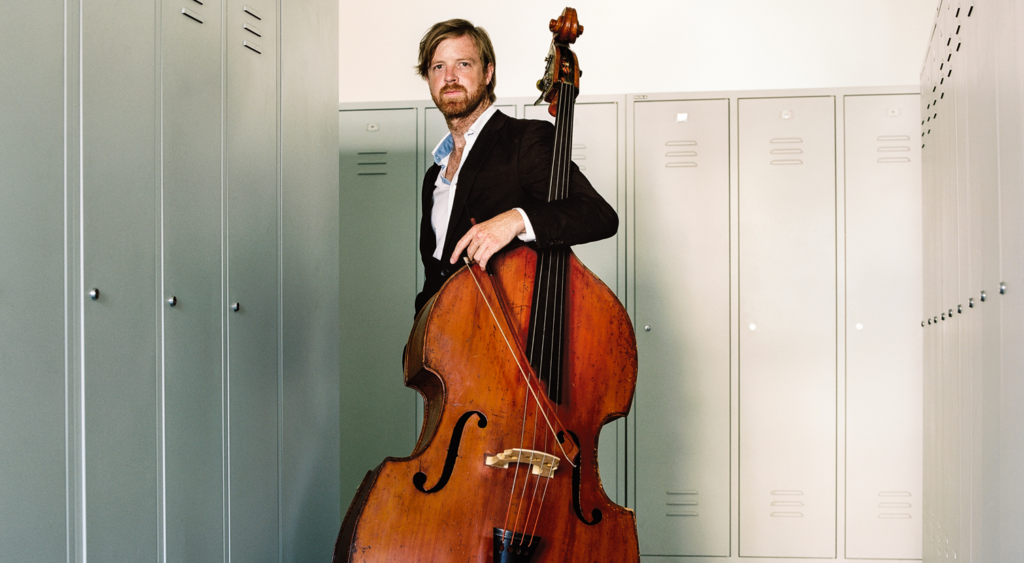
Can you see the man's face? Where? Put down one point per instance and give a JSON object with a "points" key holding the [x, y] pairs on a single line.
{"points": [[458, 80]]}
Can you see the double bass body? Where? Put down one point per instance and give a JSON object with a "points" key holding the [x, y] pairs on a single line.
{"points": [[446, 500]]}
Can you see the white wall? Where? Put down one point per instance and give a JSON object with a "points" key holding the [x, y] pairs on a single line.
{"points": [[651, 45]]}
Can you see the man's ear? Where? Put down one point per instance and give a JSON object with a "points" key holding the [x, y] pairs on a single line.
{"points": [[490, 72]]}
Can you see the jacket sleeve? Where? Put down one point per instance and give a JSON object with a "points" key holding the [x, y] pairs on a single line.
{"points": [[584, 216]]}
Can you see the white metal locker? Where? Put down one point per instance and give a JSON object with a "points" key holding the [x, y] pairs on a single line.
{"points": [[883, 334], [252, 279], [33, 393], [379, 190], [116, 401], [191, 314], [787, 312], [1007, 17], [681, 176]]}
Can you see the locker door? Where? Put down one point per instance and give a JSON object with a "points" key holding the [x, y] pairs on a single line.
{"points": [[1008, 391], [379, 190], [595, 149], [33, 489], [787, 366], [118, 228], [682, 315], [883, 333], [191, 266], [252, 279]]}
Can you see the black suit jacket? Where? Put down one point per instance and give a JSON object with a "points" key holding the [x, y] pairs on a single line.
{"points": [[510, 166]]}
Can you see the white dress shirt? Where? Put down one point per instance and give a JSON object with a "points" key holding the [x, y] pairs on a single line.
{"points": [[444, 191]]}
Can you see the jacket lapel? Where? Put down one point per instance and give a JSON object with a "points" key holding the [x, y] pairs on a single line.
{"points": [[473, 164]]}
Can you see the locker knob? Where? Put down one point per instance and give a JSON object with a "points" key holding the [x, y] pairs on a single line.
{"points": [[1002, 288], [959, 309], [970, 303], [94, 294], [172, 301], [235, 307], [951, 313], [647, 328], [983, 296]]}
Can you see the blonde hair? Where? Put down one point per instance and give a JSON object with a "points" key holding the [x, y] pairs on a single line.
{"points": [[457, 28]]}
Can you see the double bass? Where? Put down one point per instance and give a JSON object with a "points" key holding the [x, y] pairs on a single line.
{"points": [[519, 368]]}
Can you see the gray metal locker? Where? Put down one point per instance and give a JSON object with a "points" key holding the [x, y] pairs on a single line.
{"points": [[1007, 391], [949, 290], [681, 176], [883, 336], [252, 306], [115, 403], [192, 386], [33, 373], [379, 191], [787, 312]]}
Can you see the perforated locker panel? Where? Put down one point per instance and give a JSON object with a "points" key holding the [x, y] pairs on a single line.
{"points": [[682, 315], [883, 334], [33, 494], [379, 190], [595, 151], [252, 282], [118, 230], [787, 365], [191, 227]]}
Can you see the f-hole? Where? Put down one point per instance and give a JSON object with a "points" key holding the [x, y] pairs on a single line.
{"points": [[420, 478]]}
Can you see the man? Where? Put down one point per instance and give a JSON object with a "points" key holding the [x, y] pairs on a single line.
{"points": [[490, 169]]}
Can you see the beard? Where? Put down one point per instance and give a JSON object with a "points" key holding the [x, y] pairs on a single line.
{"points": [[460, 106]]}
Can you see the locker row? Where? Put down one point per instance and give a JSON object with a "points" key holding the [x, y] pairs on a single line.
{"points": [[763, 239], [972, 128], [157, 214]]}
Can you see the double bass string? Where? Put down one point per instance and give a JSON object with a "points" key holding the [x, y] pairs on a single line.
{"points": [[526, 378], [515, 475], [554, 274], [551, 316]]}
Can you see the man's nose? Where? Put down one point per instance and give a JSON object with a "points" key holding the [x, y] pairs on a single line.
{"points": [[449, 74]]}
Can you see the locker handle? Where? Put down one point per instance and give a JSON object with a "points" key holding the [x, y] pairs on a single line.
{"points": [[94, 294], [172, 301], [236, 307]]}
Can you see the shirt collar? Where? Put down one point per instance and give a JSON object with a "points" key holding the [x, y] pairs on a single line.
{"points": [[447, 144]]}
